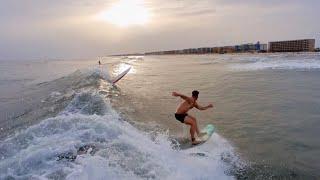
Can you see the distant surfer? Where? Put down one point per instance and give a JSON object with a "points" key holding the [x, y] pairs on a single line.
{"points": [[183, 116], [99, 62]]}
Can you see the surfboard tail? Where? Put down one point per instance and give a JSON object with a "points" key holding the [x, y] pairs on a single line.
{"points": [[120, 76]]}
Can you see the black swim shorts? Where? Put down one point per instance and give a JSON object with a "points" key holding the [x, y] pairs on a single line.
{"points": [[180, 117]]}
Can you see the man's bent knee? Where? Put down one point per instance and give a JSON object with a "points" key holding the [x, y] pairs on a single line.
{"points": [[193, 119]]}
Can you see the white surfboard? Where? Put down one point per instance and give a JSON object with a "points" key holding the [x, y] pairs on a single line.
{"points": [[208, 130], [120, 76]]}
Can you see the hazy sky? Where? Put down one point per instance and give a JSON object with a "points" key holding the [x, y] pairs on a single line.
{"points": [[33, 29]]}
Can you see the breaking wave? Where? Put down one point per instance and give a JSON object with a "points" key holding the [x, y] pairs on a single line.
{"points": [[277, 61], [88, 139]]}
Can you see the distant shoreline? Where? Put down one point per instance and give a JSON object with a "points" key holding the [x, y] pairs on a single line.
{"points": [[241, 53]]}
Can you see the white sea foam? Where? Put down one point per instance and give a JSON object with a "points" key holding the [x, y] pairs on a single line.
{"points": [[123, 152], [282, 61], [300, 65], [55, 94]]}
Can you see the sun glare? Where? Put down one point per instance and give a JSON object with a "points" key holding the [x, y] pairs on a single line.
{"points": [[126, 12]]}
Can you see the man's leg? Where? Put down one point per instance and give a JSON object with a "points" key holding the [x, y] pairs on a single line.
{"points": [[189, 121], [195, 122]]}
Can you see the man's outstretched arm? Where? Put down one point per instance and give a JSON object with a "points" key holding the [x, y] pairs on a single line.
{"points": [[203, 107], [181, 95]]}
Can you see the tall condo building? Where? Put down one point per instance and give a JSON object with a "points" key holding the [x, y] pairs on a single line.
{"points": [[292, 45]]}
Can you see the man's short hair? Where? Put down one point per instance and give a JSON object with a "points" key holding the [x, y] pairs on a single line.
{"points": [[195, 93]]}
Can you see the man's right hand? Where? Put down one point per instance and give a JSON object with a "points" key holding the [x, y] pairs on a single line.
{"points": [[175, 94]]}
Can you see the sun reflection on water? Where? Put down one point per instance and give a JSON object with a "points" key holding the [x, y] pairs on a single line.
{"points": [[119, 68]]}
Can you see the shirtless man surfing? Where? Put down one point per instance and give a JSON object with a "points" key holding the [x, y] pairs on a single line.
{"points": [[183, 116]]}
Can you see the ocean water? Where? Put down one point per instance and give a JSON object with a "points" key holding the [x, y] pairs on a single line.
{"points": [[63, 120]]}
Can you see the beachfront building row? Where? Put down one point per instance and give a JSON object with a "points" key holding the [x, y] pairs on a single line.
{"points": [[220, 50], [303, 45]]}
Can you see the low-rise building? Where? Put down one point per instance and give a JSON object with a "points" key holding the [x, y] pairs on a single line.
{"points": [[250, 47], [263, 48], [227, 49], [216, 50], [204, 50]]}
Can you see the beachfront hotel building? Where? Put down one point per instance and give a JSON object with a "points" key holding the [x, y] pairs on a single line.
{"points": [[292, 45]]}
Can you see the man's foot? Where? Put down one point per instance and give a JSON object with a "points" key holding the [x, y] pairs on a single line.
{"points": [[201, 134], [196, 142]]}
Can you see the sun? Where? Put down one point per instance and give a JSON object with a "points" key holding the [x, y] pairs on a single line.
{"points": [[125, 13]]}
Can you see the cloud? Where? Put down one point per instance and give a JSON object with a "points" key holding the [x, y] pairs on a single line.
{"points": [[65, 28], [182, 9]]}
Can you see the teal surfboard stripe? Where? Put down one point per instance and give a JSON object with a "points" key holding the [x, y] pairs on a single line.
{"points": [[209, 129]]}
